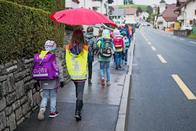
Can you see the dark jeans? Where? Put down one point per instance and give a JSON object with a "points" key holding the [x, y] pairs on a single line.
{"points": [[79, 89], [118, 59], [125, 55], [90, 66]]}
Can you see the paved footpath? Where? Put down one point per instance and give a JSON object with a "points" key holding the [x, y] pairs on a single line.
{"points": [[100, 111]]}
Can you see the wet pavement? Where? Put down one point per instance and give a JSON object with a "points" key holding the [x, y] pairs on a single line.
{"points": [[100, 111], [156, 102]]}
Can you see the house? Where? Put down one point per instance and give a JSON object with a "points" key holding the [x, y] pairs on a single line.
{"points": [[187, 12], [160, 22], [124, 15], [167, 16], [130, 15], [116, 2], [71, 4], [117, 13], [98, 5]]}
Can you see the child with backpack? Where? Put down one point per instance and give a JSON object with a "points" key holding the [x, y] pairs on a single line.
{"points": [[119, 46], [127, 45], [46, 71], [91, 40], [106, 50]]}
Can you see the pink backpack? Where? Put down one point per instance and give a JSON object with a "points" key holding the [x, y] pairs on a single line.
{"points": [[118, 43], [46, 68]]}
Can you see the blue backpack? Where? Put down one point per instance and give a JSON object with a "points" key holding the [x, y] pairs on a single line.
{"points": [[91, 44]]}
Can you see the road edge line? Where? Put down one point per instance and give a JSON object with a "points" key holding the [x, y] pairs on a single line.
{"points": [[122, 113]]}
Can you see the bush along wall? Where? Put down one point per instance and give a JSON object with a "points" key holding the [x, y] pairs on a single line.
{"points": [[23, 31], [47, 5]]}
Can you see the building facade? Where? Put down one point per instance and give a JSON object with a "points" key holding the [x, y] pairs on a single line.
{"points": [[188, 13], [101, 6]]}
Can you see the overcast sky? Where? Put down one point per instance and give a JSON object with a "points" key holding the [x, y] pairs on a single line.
{"points": [[151, 2]]}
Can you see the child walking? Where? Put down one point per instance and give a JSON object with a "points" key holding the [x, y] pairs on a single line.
{"points": [[46, 71]]}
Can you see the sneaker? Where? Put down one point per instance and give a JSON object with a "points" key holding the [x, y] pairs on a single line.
{"points": [[41, 114], [78, 116], [89, 81], [108, 83], [103, 82], [53, 114]]}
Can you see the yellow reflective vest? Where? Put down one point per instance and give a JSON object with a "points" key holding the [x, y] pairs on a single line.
{"points": [[77, 64]]}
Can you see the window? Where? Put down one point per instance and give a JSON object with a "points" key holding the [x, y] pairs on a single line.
{"points": [[160, 23], [190, 22], [76, 1]]}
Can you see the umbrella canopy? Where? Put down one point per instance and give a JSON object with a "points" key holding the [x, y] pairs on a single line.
{"points": [[80, 16]]}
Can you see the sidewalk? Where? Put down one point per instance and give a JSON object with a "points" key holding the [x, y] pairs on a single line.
{"points": [[100, 111]]}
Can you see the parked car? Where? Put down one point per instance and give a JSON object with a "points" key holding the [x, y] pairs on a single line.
{"points": [[186, 27]]}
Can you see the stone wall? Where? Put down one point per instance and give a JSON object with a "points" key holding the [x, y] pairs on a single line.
{"points": [[182, 33], [19, 94]]}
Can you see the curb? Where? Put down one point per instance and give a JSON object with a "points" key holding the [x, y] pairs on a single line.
{"points": [[122, 114]]}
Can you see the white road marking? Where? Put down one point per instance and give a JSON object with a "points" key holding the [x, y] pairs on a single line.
{"points": [[187, 92], [149, 43], [181, 39], [153, 48], [193, 42], [162, 59]]}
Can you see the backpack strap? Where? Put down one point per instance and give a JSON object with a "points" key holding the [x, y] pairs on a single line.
{"points": [[43, 54], [102, 43]]}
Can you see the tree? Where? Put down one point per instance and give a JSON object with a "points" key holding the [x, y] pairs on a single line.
{"points": [[149, 10], [139, 10], [110, 1], [130, 1], [162, 1]]}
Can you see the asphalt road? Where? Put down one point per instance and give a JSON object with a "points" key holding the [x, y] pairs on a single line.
{"points": [[163, 90]]}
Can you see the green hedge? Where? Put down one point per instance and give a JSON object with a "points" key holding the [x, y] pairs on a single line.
{"points": [[23, 31], [47, 5]]}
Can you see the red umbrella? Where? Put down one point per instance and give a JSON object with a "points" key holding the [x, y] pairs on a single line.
{"points": [[80, 16]]}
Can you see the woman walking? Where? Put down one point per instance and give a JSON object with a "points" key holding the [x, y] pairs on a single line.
{"points": [[76, 60]]}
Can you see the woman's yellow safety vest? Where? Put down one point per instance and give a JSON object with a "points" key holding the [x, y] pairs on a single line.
{"points": [[77, 64]]}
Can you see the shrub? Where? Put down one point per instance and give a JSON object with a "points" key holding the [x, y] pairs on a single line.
{"points": [[47, 5], [23, 31]]}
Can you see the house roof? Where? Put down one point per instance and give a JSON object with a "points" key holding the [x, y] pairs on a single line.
{"points": [[169, 14], [123, 11], [182, 1], [130, 11], [118, 12]]}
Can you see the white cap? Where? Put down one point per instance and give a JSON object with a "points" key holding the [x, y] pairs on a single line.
{"points": [[50, 45], [116, 32]]}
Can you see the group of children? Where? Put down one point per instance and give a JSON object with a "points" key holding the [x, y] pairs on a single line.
{"points": [[112, 44], [79, 57]]}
